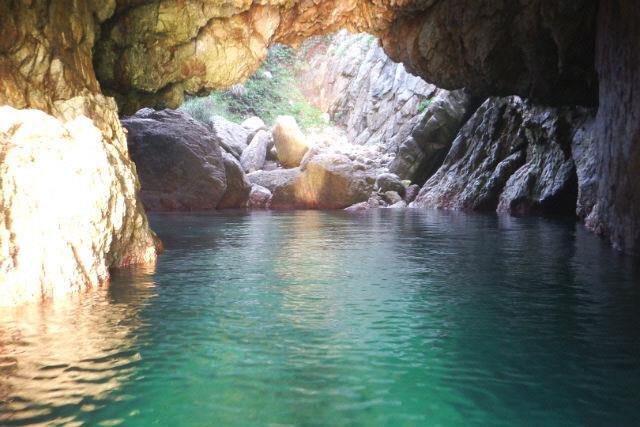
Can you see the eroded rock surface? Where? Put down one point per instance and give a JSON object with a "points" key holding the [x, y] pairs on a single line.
{"points": [[512, 157], [68, 200], [423, 151]]}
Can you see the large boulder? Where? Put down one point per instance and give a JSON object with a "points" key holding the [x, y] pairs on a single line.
{"points": [[328, 181], [422, 153], [253, 125], [233, 138], [179, 161], [291, 144], [238, 187], [254, 156]]}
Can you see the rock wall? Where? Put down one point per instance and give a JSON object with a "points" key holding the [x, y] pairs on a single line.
{"points": [[373, 98], [514, 157], [68, 187], [617, 125]]}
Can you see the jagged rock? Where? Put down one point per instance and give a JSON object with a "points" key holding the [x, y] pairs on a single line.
{"points": [[254, 156], [179, 162], [238, 187], [510, 156], [260, 197], [69, 210], [372, 97], [389, 182], [232, 137], [291, 144], [422, 153], [583, 151], [253, 124]]}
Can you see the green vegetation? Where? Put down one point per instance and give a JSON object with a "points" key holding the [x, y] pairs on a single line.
{"points": [[272, 91], [424, 104]]}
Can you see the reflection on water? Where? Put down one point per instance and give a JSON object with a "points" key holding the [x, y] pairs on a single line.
{"points": [[68, 355], [329, 318]]}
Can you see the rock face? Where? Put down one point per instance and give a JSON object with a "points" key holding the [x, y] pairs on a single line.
{"points": [[254, 156], [375, 99], [422, 153], [617, 126], [68, 202], [291, 144], [509, 156], [179, 161], [150, 53]]}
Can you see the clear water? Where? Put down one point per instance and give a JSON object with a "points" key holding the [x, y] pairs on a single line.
{"points": [[312, 318]]}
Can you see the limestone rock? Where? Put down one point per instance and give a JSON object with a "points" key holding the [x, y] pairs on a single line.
{"points": [[238, 187], [179, 161], [254, 156], [291, 144], [68, 200], [260, 197], [231, 137]]}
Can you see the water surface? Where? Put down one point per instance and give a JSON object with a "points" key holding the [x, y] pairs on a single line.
{"points": [[328, 318]]}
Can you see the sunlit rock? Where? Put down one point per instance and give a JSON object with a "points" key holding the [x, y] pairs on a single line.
{"points": [[68, 200], [291, 144]]}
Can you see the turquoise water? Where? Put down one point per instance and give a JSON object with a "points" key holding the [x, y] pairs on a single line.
{"points": [[312, 318]]}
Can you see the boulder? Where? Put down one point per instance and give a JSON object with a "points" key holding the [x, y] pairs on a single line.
{"points": [[179, 162], [238, 187], [254, 156], [260, 197], [400, 204], [232, 137], [375, 201], [253, 124], [391, 197], [291, 144], [328, 181], [389, 182]]}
